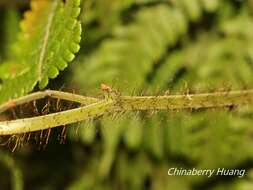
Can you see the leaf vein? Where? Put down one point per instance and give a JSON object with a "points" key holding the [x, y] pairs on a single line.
{"points": [[46, 38]]}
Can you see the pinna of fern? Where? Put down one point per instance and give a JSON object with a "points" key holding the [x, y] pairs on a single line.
{"points": [[152, 31], [49, 38]]}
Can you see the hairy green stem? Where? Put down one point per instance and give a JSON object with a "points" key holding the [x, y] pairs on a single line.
{"points": [[193, 101], [113, 104], [48, 93], [56, 119]]}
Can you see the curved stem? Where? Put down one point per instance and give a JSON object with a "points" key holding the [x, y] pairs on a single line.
{"points": [[118, 104], [27, 125], [48, 93]]}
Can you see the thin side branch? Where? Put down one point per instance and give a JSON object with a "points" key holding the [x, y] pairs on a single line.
{"points": [[48, 93]]}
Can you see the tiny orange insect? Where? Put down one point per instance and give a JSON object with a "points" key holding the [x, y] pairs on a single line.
{"points": [[105, 88]]}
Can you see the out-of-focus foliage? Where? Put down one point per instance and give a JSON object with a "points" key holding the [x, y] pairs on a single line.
{"points": [[145, 45]]}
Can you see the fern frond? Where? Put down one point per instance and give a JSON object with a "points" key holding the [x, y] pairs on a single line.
{"points": [[204, 62], [144, 42], [49, 39], [53, 27]]}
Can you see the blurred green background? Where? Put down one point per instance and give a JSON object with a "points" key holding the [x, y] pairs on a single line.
{"points": [[146, 46]]}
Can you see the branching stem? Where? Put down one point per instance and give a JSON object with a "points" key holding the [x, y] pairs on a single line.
{"points": [[93, 107]]}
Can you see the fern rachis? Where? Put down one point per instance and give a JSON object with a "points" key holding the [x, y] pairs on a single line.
{"points": [[113, 104]]}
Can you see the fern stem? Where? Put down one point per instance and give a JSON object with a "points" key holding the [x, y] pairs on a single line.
{"points": [[47, 93], [56, 119], [120, 104], [193, 101]]}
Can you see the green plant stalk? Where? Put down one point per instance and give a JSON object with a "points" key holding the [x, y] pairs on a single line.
{"points": [[192, 101], [56, 119], [47, 93], [114, 104]]}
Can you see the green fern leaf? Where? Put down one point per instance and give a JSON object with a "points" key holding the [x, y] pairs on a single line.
{"points": [[49, 39], [141, 41]]}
